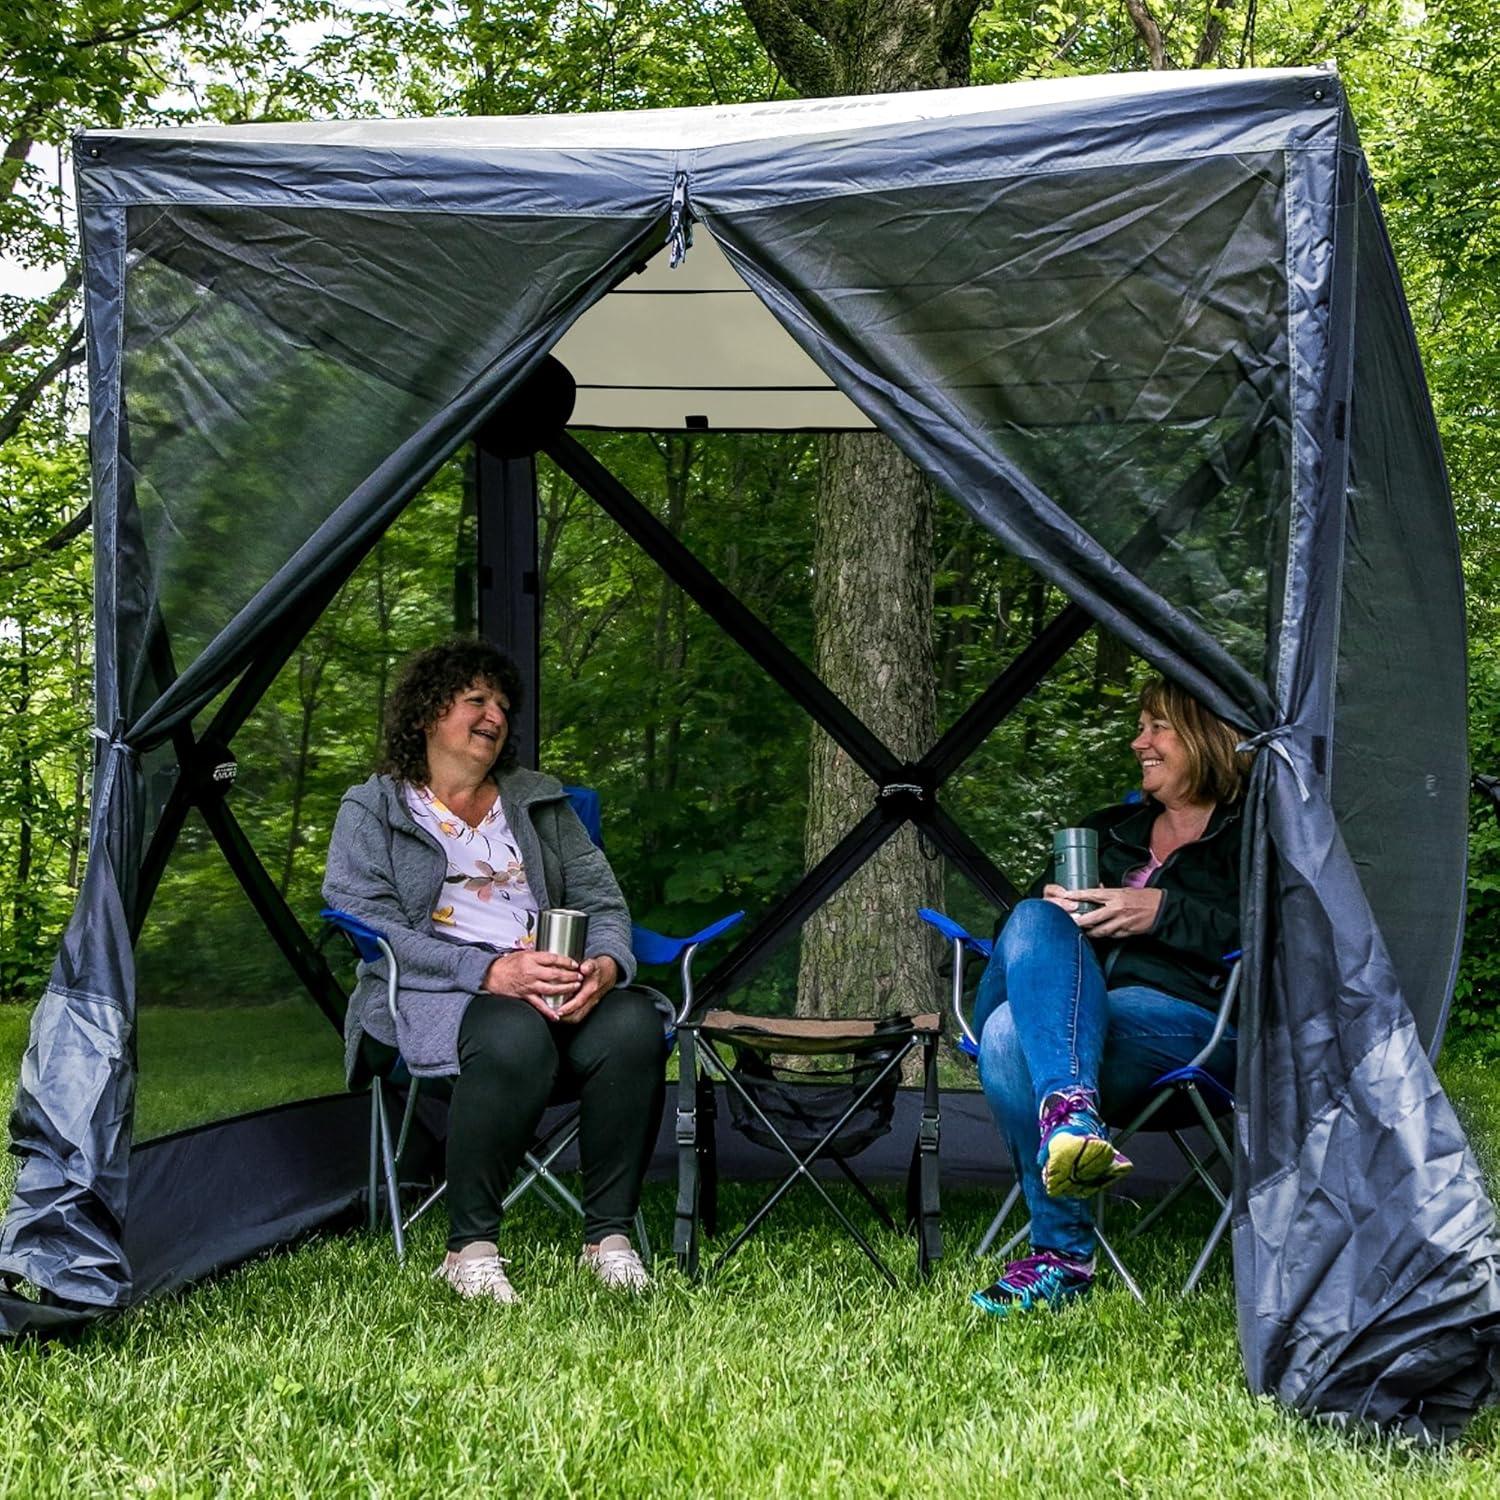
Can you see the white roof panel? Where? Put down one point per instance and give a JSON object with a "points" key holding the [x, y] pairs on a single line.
{"points": [[671, 129]]}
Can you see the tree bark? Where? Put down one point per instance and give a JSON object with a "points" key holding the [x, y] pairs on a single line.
{"points": [[1149, 33], [466, 550], [862, 953], [25, 792], [872, 607], [70, 354]]}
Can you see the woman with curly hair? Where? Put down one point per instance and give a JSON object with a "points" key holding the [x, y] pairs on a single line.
{"points": [[451, 850]]}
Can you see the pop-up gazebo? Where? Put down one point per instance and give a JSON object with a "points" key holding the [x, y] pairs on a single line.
{"points": [[1147, 329]]}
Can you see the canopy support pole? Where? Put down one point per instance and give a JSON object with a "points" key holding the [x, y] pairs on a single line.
{"points": [[905, 793], [743, 627], [252, 686], [510, 596], [270, 906]]}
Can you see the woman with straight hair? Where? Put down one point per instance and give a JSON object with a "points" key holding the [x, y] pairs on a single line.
{"points": [[1090, 995]]}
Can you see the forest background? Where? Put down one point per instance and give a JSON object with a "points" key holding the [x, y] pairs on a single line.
{"points": [[714, 791]]}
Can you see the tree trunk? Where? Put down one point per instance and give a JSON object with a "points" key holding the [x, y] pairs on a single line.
{"points": [[24, 905], [309, 684], [383, 653], [872, 606], [873, 555]]}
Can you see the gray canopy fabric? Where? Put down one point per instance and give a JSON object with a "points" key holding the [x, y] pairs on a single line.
{"points": [[1146, 328]]}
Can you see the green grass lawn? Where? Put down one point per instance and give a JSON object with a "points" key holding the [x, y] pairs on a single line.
{"points": [[329, 1371]]}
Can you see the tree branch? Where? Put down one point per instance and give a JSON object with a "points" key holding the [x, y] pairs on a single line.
{"points": [[796, 42], [65, 358], [1149, 32], [1320, 47], [74, 527], [135, 33], [16, 151], [1213, 33], [43, 317], [952, 29]]}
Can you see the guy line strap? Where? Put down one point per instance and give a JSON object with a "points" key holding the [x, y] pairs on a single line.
{"points": [[1271, 739]]}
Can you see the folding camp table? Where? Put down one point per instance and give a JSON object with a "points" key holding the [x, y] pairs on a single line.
{"points": [[809, 1117]]}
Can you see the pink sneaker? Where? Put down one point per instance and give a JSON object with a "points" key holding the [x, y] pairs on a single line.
{"points": [[614, 1261], [477, 1271]]}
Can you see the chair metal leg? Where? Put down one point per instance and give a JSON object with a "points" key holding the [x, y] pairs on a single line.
{"points": [[879, 1209], [540, 1173], [1160, 1207], [374, 1154], [642, 1239], [425, 1204], [413, 1088], [392, 1188], [1014, 1240], [1119, 1265], [1011, 1199], [802, 1165], [1206, 1254]]}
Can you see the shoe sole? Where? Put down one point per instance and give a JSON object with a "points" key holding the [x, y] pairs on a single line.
{"points": [[1078, 1166]]}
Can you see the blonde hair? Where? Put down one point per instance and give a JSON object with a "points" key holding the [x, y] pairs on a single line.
{"points": [[1217, 772]]}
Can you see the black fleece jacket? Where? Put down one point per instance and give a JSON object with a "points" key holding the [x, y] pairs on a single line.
{"points": [[1199, 921]]}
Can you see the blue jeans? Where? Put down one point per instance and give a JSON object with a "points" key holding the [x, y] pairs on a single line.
{"points": [[1046, 1021]]}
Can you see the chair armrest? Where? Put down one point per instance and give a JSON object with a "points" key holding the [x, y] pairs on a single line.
{"points": [[370, 944], [655, 948], [964, 943], [1226, 1008]]}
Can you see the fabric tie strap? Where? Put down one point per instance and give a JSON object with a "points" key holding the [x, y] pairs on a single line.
{"points": [[115, 741], [680, 223], [1272, 739]]}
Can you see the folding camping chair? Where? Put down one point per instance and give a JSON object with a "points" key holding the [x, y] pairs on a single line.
{"points": [[833, 1115], [1181, 1097], [385, 1154]]}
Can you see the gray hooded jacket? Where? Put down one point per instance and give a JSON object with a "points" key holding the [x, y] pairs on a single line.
{"points": [[388, 872]]}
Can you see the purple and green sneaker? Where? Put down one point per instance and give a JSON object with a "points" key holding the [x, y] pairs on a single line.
{"points": [[1076, 1158], [1045, 1277]]}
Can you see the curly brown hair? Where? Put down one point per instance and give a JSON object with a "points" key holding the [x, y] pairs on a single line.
{"points": [[425, 685]]}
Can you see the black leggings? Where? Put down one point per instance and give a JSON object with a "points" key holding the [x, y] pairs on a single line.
{"points": [[511, 1064]]}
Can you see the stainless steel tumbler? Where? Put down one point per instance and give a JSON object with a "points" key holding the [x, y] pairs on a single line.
{"points": [[1075, 861], [560, 930]]}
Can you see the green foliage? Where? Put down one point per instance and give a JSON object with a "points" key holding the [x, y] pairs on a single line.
{"points": [[700, 760], [44, 707]]}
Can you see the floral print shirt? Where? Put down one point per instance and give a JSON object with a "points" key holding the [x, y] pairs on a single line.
{"points": [[486, 898]]}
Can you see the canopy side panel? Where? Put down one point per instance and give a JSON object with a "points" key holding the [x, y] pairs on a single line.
{"points": [[272, 412], [268, 388], [1121, 417], [1400, 761], [70, 1124], [1367, 1265]]}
